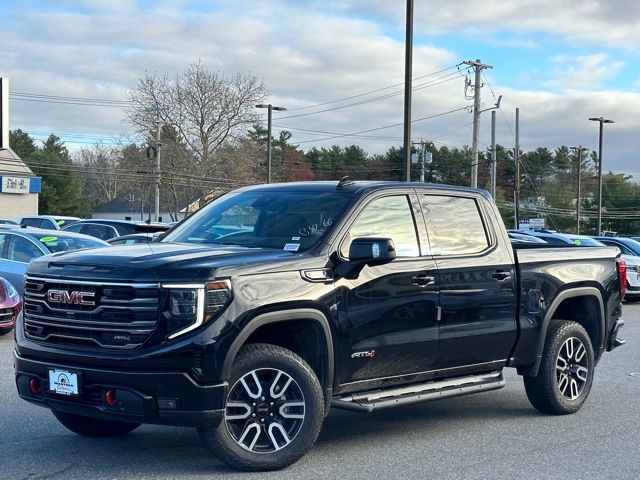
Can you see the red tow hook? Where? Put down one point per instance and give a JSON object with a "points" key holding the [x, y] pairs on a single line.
{"points": [[34, 386], [110, 398]]}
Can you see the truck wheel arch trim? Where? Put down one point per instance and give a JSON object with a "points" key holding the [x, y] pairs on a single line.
{"points": [[300, 314], [561, 297]]}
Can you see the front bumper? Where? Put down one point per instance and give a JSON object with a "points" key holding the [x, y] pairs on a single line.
{"points": [[632, 292], [8, 325], [166, 398]]}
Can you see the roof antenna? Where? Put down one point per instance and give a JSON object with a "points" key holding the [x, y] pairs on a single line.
{"points": [[345, 183]]}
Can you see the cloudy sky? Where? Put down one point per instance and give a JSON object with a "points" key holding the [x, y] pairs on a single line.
{"points": [[560, 61]]}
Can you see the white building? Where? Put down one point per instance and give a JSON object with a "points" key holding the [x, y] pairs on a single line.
{"points": [[19, 187]]}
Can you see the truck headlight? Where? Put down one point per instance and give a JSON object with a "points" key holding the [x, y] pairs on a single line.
{"points": [[191, 305]]}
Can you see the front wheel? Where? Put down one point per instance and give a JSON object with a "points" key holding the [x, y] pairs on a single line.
{"points": [[274, 410], [92, 427], [4, 331], [565, 377]]}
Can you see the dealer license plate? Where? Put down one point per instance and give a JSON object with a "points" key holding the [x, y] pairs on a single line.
{"points": [[63, 382]]}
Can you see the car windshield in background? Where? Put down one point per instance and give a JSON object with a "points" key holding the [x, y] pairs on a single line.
{"points": [[62, 243], [586, 242], [287, 220]]}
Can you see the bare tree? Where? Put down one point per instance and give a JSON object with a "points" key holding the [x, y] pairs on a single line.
{"points": [[205, 113], [206, 108], [100, 178]]}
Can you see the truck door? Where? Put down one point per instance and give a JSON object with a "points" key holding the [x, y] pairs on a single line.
{"points": [[477, 282], [388, 313]]}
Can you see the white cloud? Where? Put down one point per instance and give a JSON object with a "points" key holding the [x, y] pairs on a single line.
{"points": [[313, 53], [595, 22], [583, 72]]}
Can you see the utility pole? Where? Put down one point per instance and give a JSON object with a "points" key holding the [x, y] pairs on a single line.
{"points": [[478, 66], [579, 150], [494, 155], [156, 193], [270, 109], [408, 67], [516, 158]]}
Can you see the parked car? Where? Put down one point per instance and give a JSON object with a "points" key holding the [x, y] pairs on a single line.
{"points": [[353, 295], [10, 306], [6, 221], [18, 246], [520, 237], [133, 239], [557, 238], [47, 222], [108, 229], [630, 250]]}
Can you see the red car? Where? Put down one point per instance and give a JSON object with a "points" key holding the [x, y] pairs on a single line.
{"points": [[10, 306]]}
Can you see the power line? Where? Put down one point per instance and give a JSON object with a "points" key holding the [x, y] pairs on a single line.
{"points": [[375, 99], [372, 91], [387, 126]]}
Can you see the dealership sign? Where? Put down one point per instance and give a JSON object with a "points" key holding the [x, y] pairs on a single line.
{"points": [[15, 184], [20, 184]]}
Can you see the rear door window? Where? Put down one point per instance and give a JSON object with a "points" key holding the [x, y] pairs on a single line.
{"points": [[454, 225], [104, 232], [47, 224], [30, 222]]}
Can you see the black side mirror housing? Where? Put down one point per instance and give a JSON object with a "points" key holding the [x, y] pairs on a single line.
{"points": [[366, 251], [372, 251]]}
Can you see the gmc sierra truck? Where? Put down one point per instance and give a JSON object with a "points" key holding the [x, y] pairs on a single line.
{"points": [[254, 316]]}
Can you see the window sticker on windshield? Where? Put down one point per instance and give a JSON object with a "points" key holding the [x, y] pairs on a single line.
{"points": [[61, 222], [577, 241], [291, 247], [48, 239], [295, 238]]}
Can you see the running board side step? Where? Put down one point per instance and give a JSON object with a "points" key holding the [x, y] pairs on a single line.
{"points": [[422, 392]]}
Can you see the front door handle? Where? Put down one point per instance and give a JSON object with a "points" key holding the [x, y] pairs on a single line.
{"points": [[423, 280], [501, 276]]}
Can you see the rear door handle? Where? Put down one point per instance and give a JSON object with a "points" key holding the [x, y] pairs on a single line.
{"points": [[501, 276], [423, 280]]}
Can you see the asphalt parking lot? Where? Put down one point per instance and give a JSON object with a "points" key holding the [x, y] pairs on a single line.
{"points": [[494, 435]]}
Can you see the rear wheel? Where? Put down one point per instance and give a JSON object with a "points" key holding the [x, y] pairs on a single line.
{"points": [[565, 377], [92, 427], [274, 410]]}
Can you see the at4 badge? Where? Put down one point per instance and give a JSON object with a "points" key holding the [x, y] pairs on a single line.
{"points": [[366, 354]]}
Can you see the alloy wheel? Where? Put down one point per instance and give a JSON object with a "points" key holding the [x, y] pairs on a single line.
{"points": [[572, 368], [265, 410]]}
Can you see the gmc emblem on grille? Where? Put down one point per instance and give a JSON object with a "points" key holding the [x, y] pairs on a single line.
{"points": [[72, 298]]}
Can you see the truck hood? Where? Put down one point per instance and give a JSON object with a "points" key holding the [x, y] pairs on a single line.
{"points": [[157, 262]]}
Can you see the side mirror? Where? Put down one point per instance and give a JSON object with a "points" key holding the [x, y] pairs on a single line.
{"points": [[372, 251]]}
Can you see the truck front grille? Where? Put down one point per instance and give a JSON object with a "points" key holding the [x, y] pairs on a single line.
{"points": [[90, 315]]}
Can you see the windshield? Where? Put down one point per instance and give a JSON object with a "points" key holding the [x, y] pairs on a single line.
{"points": [[60, 243], [286, 220], [632, 245], [586, 242]]}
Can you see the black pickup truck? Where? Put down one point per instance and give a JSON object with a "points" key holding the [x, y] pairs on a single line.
{"points": [[253, 317]]}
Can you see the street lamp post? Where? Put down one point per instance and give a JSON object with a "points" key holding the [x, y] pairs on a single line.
{"points": [[602, 121], [269, 108]]}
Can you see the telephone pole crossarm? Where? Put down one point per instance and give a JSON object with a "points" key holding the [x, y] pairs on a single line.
{"points": [[478, 66]]}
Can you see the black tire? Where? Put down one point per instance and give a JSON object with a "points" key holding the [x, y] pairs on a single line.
{"points": [[553, 390], [92, 427], [264, 361], [4, 331]]}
